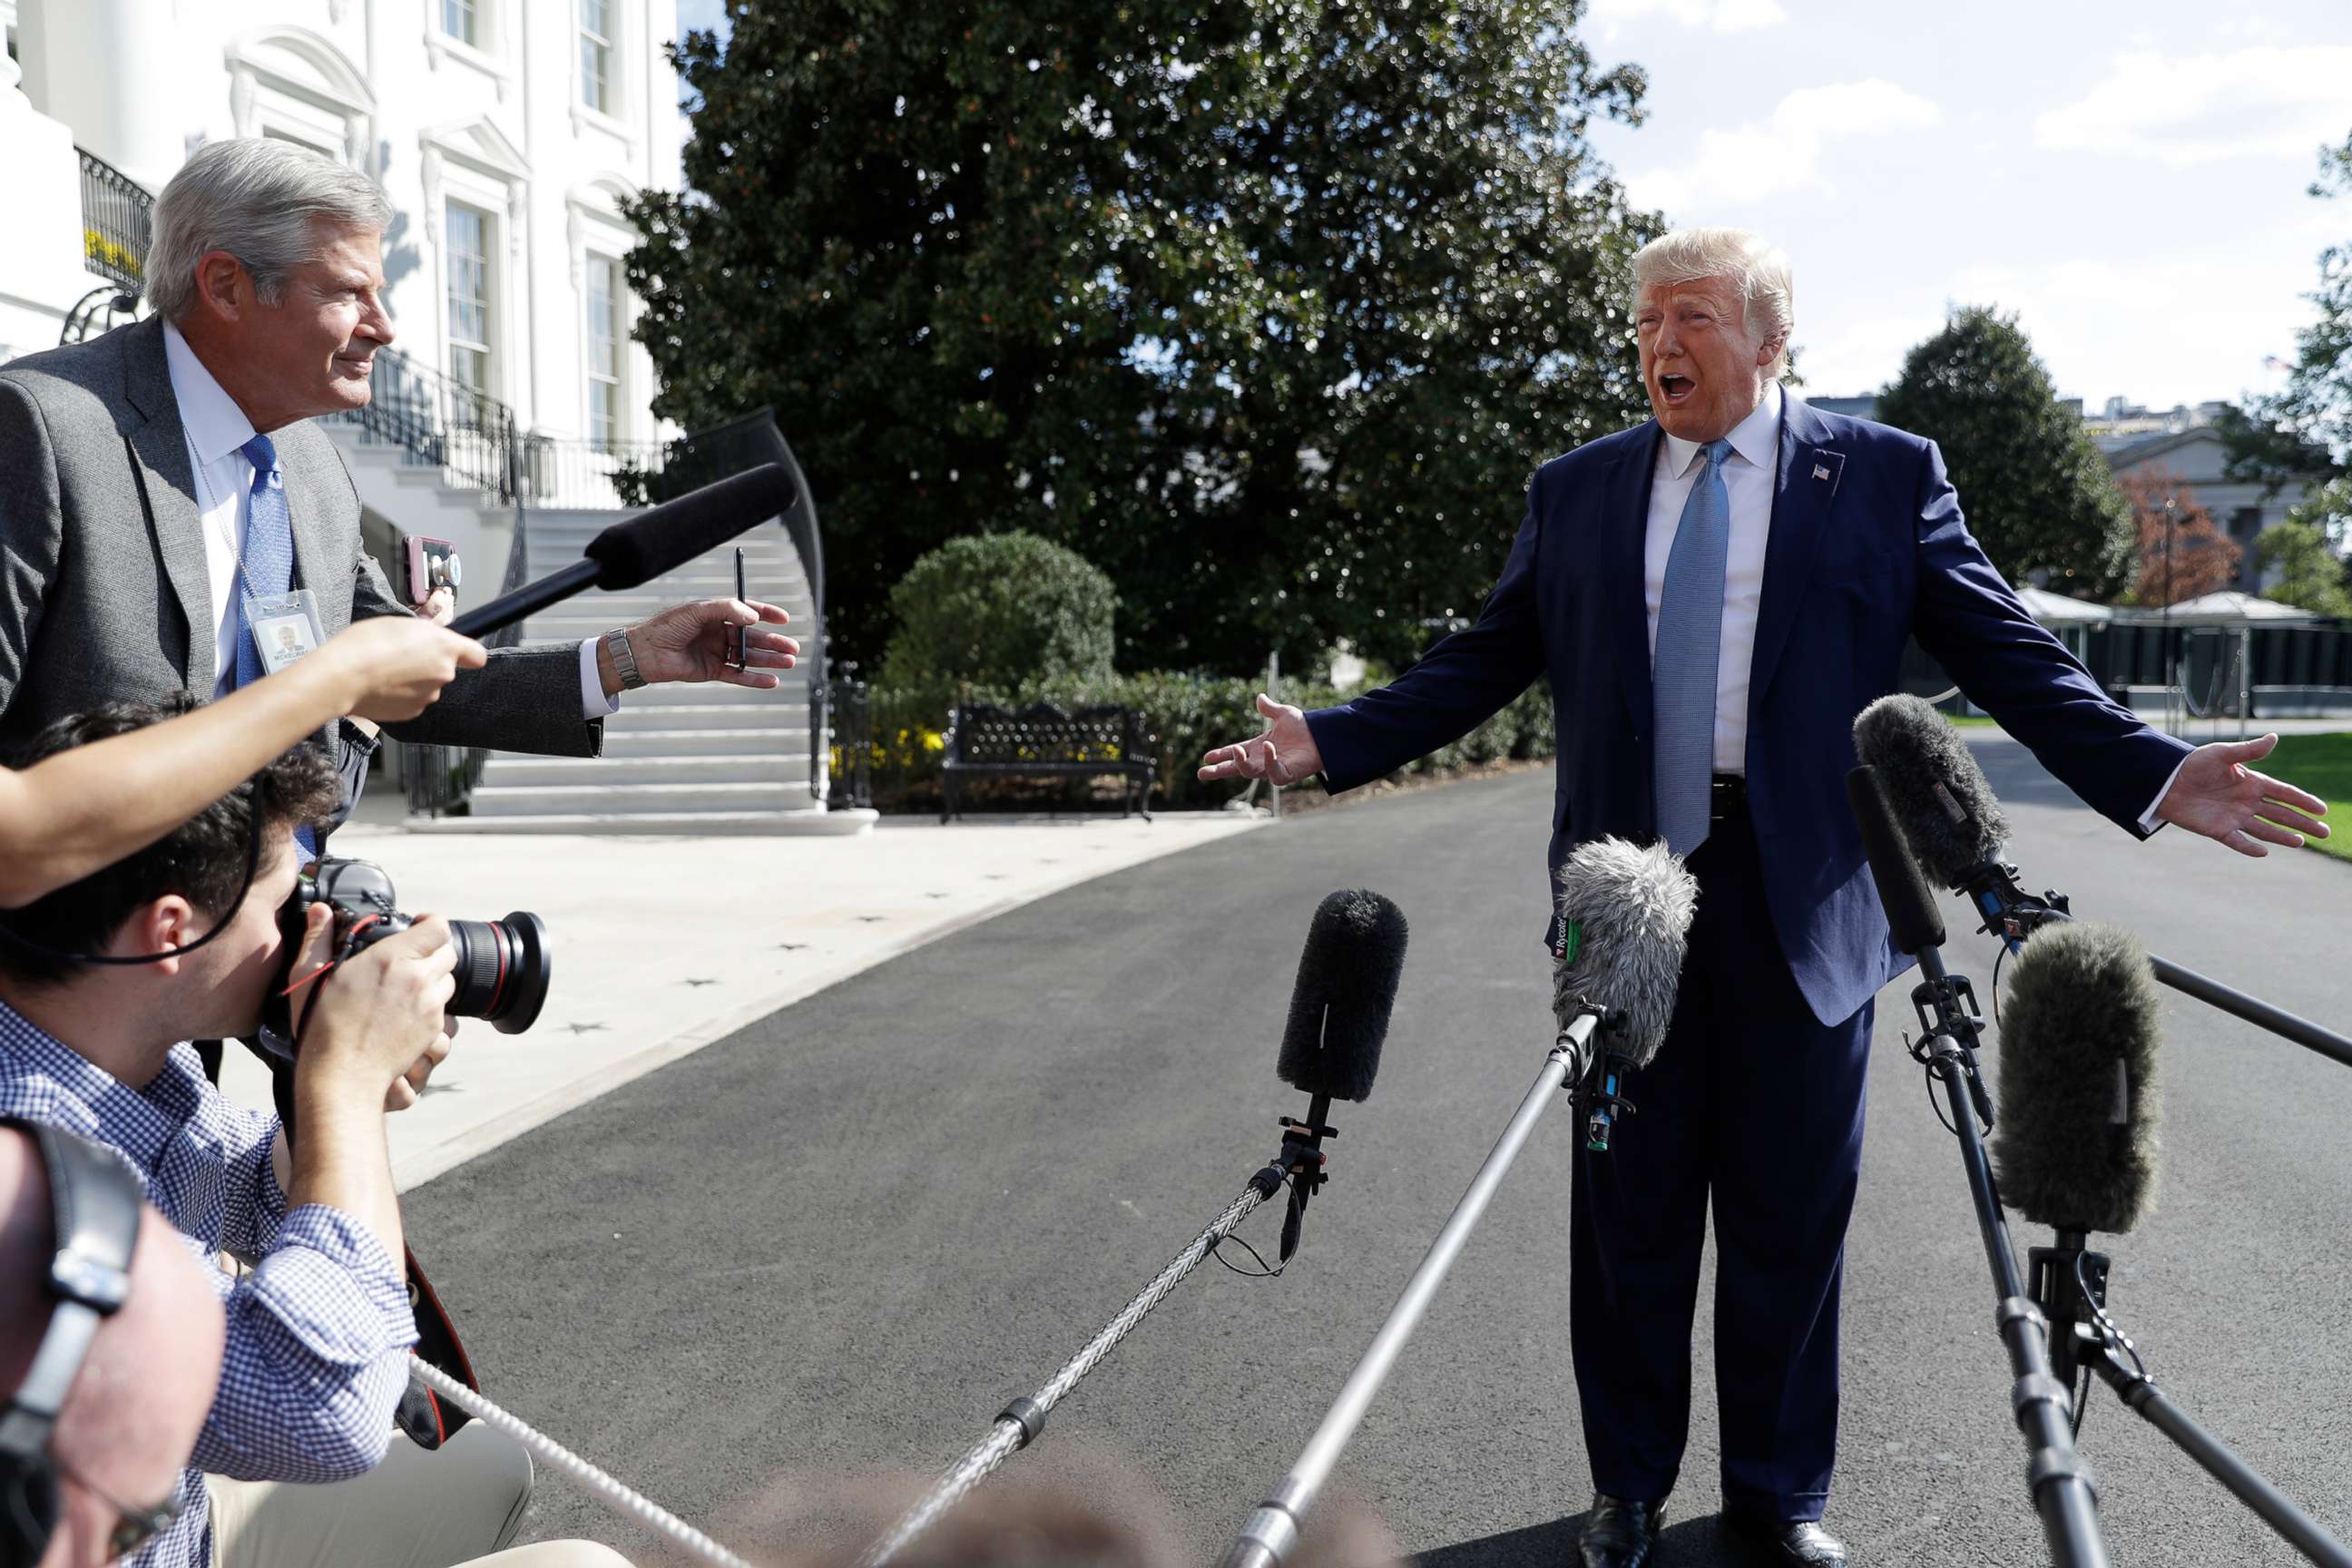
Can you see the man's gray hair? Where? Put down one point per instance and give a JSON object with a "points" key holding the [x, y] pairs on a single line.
{"points": [[269, 203], [1759, 268]]}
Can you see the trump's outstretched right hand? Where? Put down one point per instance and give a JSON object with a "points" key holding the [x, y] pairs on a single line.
{"points": [[396, 665], [1285, 755]]}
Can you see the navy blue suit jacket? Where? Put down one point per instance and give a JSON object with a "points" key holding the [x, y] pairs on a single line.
{"points": [[1867, 547]]}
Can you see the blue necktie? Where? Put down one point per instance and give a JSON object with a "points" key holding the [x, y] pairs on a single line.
{"points": [[268, 566], [1690, 642], [266, 570]]}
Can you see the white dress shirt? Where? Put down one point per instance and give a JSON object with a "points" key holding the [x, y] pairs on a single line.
{"points": [[1748, 477], [216, 430]]}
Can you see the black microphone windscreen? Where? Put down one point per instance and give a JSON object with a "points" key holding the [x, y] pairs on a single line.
{"points": [[2076, 1146], [1941, 797], [1348, 977], [1910, 907], [665, 537], [1626, 913]]}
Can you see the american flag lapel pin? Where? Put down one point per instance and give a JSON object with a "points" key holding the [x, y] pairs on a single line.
{"points": [[1821, 471]]}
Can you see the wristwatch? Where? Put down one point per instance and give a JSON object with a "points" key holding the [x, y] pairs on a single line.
{"points": [[624, 659]]}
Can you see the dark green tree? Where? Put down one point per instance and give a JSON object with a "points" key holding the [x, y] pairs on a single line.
{"points": [[2037, 494], [1268, 308], [999, 612], [2304, 433]]}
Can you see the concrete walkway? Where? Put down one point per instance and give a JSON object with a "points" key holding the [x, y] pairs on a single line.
{"points": [[664, 945]]}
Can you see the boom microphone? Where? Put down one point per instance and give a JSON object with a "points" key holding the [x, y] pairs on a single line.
{"points": [[2075, 1148], [659, 538], [1625, 915], [1348, 977], [1942, 798]]}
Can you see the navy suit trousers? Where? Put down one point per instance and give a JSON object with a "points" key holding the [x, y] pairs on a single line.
{"points": [[1755, 1104]]}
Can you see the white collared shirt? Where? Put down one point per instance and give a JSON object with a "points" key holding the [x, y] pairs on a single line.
{"points": [[216, 430], [1747, 479]]}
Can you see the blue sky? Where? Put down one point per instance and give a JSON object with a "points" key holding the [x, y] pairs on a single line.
{"points": [[2128, 179]]}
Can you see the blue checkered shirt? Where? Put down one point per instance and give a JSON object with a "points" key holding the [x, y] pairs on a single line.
{"points": [[319, 1329]]}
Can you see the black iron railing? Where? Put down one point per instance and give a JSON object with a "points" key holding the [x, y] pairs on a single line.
{"points": [[116, 222], [846, 704], [435, 420]]}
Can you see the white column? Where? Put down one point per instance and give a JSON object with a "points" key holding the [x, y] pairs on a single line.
{"points": [[110, 70], [41, 272]]}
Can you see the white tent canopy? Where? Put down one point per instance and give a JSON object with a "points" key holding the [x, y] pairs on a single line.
{"points": [[2228, 608], [2058, 610]]}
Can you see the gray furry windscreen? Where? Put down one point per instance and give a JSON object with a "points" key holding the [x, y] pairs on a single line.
{"points": [[1632, 908]]}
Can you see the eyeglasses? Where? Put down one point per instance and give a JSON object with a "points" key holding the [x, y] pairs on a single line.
{"points": [[133, 1527]]}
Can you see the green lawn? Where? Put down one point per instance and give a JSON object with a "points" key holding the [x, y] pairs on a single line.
{"points": [[2322, 765]]}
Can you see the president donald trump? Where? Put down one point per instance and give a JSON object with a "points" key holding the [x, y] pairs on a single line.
{"points": [[1716, 594]]}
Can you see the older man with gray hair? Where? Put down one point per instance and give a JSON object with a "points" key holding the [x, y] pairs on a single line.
{"points": [[1716, 594], [162, 490]]}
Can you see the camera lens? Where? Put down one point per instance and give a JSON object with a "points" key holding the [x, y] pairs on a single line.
{"points": [[502, 969]]}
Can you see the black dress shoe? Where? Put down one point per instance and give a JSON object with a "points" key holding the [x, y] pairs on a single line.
{"points": [[1619, 1534], [1800, 1543]]}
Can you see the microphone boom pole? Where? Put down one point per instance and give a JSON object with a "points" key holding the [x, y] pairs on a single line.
{"points": [[1267, 1538], [1022, 1420]]}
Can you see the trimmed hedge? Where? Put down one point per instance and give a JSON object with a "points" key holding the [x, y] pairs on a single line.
{"points": [[1188, 713], [995, 610]]}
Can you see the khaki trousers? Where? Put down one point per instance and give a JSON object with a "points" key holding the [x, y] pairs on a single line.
{"points": [[460, 1504]]}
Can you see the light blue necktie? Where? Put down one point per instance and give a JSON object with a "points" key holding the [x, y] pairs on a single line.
{"points": [[267, 567], [1690, 642], [266, 570]]}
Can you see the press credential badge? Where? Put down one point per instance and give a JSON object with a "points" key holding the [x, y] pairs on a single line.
{"points": [[285, 627]]}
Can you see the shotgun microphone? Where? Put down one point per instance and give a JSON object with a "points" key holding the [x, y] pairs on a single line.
{"points": [[1625, 915], [2076, 1146], [1340, 1006], [659, 538]]}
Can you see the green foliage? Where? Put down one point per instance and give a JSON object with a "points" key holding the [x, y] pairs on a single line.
{"points": [[1188, 714], [2037, 494], [2306, 429], [2322, 765], [1269, 308], [999, 610], [2306, 550]]}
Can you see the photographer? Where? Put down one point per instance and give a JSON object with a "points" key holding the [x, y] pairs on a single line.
{"points": [[84, 808], [318, 1329]]}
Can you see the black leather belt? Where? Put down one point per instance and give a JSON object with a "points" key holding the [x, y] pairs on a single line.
{"points": [[1726, 796]]}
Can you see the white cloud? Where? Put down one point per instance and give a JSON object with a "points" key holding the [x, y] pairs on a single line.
{"points": [[1781, 152], [1716, 16], [2199, 109]]}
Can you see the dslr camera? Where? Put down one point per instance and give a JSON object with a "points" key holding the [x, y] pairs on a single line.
{"points": [[502, 968]]}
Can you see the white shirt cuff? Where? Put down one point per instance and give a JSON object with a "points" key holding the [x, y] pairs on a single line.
{"points": [[2147, 818], [593, 703]]}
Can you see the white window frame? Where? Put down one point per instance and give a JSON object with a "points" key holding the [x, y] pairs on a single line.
{"points": [[618, 320], [593, 227], [493, 313], [298, 83], [622, 93], [472, 162], [486, 56]]}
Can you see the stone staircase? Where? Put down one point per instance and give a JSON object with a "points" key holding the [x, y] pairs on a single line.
{"points": [[709, 758]]}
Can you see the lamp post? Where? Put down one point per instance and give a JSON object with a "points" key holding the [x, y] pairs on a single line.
{"points": [[2171, 682]]}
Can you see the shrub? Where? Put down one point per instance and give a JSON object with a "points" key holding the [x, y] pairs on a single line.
{"points": [[995, 612]]}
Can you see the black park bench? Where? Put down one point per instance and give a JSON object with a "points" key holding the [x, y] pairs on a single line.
{"points": [[1042, 742]]}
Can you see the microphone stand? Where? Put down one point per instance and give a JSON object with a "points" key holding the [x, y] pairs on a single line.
{"points": [[2105, 1348], [2061, 1485], [1273, 1531], [2012, 914], [1018, 1424]]}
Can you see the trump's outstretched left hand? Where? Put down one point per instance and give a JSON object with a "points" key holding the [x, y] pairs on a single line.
{"points": [[689, 643], [2215, 794]]}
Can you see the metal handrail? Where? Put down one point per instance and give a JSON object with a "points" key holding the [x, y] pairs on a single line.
{"points": [[438, 421], [117, 222]]}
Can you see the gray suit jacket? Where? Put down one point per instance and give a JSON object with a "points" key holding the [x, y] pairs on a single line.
{"points": [[104, 594]]}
